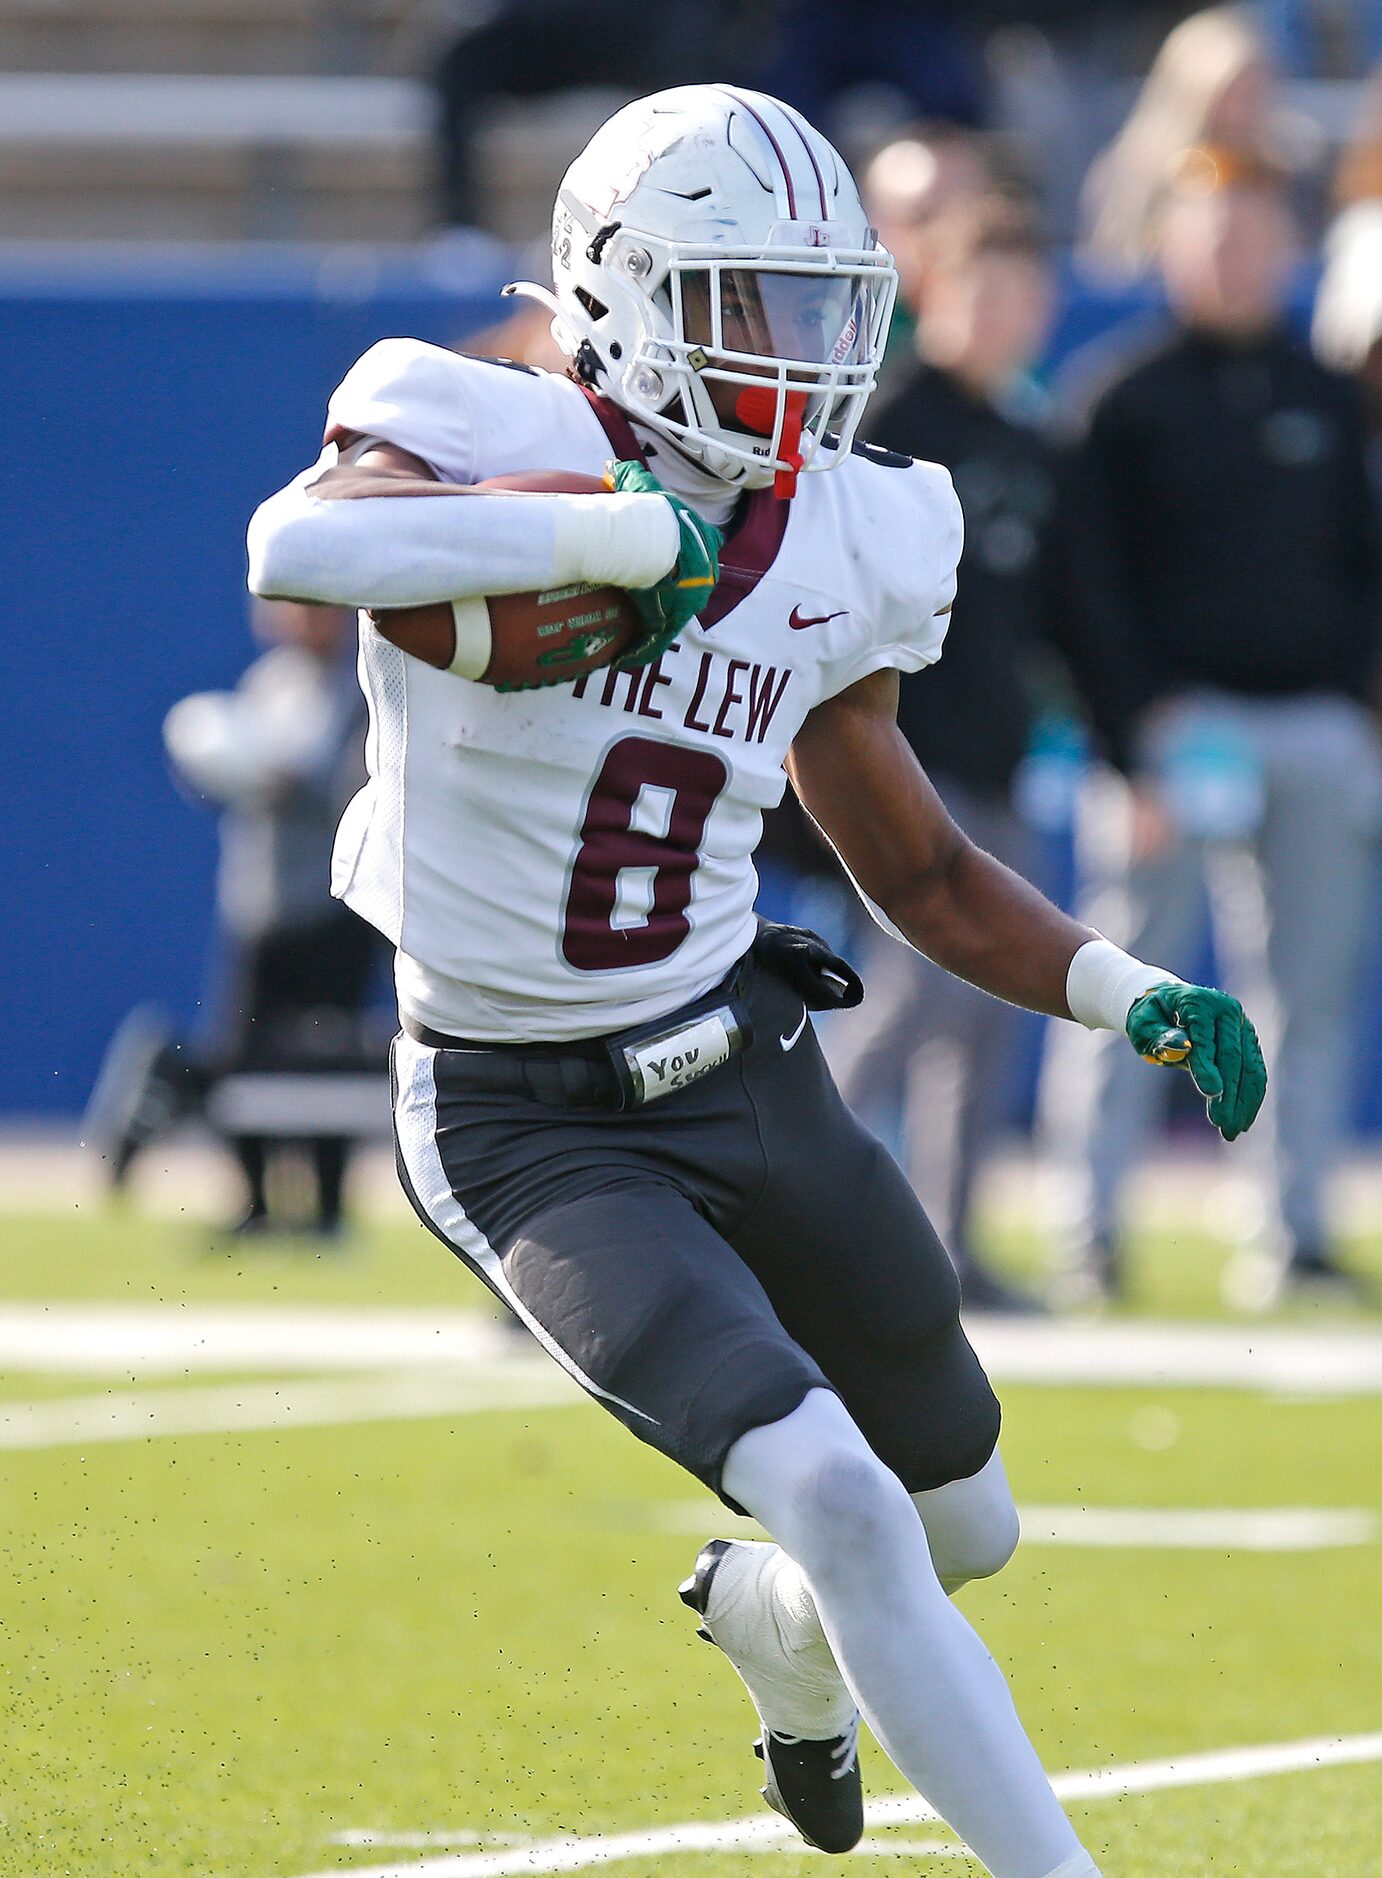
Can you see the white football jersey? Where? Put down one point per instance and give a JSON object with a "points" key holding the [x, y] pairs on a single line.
{"points": [[559, 863]]}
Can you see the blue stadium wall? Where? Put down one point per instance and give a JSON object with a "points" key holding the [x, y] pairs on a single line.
{"points": [[150, 406]]}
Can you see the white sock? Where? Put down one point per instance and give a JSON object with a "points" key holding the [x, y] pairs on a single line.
{"points": [[926, 1685]]}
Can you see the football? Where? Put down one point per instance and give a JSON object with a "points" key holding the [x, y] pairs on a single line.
{"points": [[519, 640]]}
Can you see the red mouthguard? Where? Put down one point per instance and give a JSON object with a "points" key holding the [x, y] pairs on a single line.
{"points": [[756, 410]]}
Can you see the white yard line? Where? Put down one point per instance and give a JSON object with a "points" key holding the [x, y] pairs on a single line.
{"points": [[1207, 1528], [173, 1339], [1173, 1528], [79, 1421], [525, 1383], [1273, 1359], [431, 1841], [417, 1362], [176, 1339], [761, 1832], [913, 1848], [436, 1840], [423, 1841]]}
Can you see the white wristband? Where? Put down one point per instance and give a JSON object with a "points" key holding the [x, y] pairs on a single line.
{"points": [[619, 540], [1104, 982]]}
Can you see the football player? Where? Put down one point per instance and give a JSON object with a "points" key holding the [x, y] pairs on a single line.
{"points": [[609, 1100]]}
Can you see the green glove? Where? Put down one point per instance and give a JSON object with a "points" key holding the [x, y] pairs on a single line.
{"points": [[1208, 1031], [683, 592]]}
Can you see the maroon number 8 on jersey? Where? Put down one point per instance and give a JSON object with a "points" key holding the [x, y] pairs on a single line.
{"points": [[610, 843]]}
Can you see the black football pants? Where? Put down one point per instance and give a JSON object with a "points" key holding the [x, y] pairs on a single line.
{"points": [[701, 1262]]}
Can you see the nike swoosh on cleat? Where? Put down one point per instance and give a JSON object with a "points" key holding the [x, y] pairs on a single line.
{"points": [[790, 1043], [799, 622]]}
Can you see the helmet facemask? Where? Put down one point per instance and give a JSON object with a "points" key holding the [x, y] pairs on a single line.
{"points": [[748, 358]]}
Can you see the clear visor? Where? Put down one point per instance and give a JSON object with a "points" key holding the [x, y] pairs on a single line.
{"points": [[820, 320], [761, 359]]}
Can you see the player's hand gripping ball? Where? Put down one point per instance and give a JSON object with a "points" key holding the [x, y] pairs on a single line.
{"points": [[685, 590], [518, 641], [1209, 1032]]}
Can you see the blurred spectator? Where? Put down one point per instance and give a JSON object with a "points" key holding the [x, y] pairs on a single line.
{"points": [[1359, 175], [911, 185], [534, 48], [1320, 37], [1211, 83], [1221, 553], [281, 754], [922, 1040], [1348, 312], [914, 181]]}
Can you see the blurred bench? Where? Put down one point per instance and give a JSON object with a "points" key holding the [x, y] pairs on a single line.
{"points": [[87, 156], [297, 1103], [164, 156], [244, 36]]}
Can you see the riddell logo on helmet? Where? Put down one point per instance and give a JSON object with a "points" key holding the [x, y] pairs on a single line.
{"points": [[844, 345]]}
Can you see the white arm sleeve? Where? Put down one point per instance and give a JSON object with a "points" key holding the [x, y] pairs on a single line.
{"points": [[398, 551]]}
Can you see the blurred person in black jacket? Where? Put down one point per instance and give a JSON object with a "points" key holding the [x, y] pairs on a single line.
{"points": [[506, 49], [922, 1037], [921, 58], [1213, 81], [1220, 557], [913, 184]]}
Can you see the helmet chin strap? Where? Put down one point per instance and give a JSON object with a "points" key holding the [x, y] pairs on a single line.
{"points": [[756, 410]]}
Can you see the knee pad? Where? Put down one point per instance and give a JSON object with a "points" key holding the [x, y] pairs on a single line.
{"points": [[971, 1525], [980, 1551]]}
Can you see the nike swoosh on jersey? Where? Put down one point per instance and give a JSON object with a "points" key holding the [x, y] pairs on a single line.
{"points": [[798, 623], [790, 1043]]}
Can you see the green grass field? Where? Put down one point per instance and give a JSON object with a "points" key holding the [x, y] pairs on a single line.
{"points": [[406, 1645]]}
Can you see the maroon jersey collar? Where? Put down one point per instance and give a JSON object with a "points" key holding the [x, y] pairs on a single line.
{"points": [[755, 530]]}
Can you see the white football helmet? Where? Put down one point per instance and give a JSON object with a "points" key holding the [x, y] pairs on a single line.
{"points": [[717, 278]]}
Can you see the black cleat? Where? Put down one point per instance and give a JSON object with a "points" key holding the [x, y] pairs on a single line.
{"points": [[816, 1785], [813, 1782]]}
